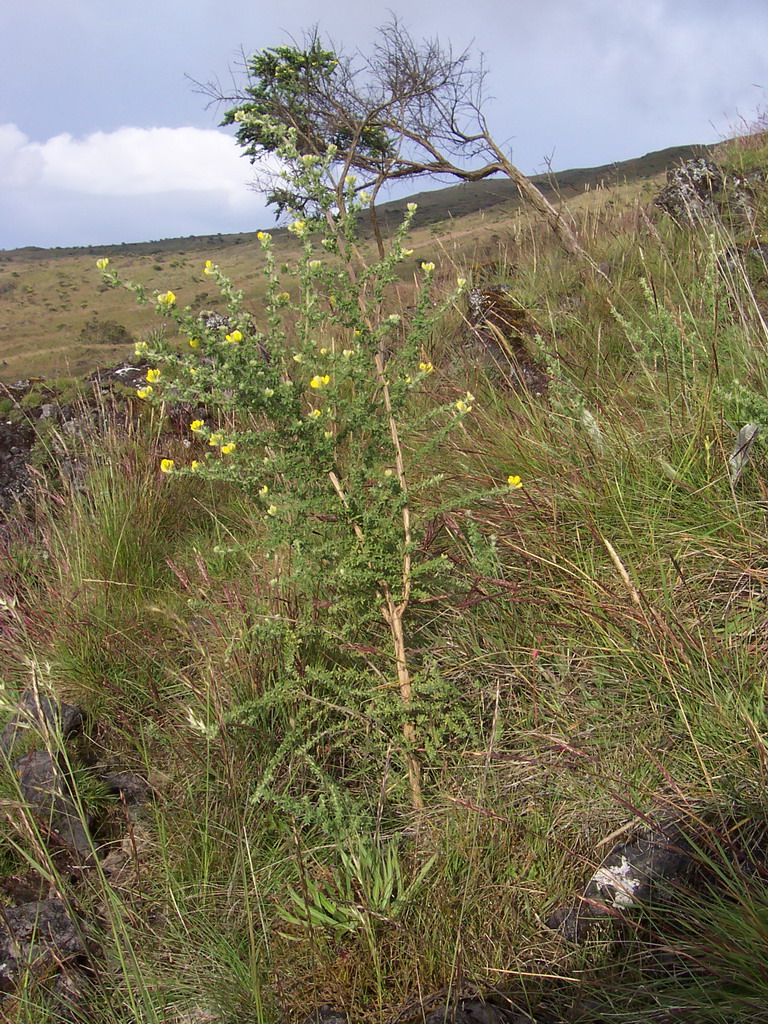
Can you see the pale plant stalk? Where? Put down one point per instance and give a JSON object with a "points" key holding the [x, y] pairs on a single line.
{"points": [[393, 612]]}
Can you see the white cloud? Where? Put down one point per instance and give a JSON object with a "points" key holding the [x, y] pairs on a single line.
{"points": [[20, 162], [128, 162], [132, 172]]}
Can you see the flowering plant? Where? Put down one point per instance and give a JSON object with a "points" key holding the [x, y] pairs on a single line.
{"points": [[322, 396]]}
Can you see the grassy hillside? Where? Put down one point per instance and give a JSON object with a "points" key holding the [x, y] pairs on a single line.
{"points": [[588, 647], [48, 299]]}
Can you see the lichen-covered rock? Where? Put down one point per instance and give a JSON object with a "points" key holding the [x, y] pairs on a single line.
{"points": [[16, 443], [630, 875], [690, 195], [698, 191]]}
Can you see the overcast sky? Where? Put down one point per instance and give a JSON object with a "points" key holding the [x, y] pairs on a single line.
{"points": [[103, 138]]}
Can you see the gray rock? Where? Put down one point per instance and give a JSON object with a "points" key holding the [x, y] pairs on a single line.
{"points": [[630, 876], [699, 192], [690, 195], [326, 1014], [132, 788], [44, 786], [39, 712], [49, 411], [16, 442], [39, 937], [481, 1011]]}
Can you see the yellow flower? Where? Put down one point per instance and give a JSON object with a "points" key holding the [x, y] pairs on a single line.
{"points": [[227, 449], [348, 352], [166, 465], [298, 228], [167, 299], [209, 267], [460, 282], [389, 472], [145, 392], [324, 351], [407, 252], [263, 237], [465, 404], [264, 489], [194, 343], [327, 434], [103, 263], [272, 510], [141, 348], [196, 426], [514, 482], [153, 376], [283, 297], [298, 358], [314, 264], [315, 414], [234, 337], [318, 382], [193, 465], [215, 439], [268, 392], [427, 267], [412, 207], [426, 367]]}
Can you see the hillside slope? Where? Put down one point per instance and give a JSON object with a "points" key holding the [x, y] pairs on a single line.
{"points": [[405, 663], [54, 321]]}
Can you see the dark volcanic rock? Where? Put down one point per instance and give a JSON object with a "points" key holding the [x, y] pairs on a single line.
{"points": [[16, 442], [501, 332], [481, 1011], [631, 875], [45, 787], [39, 712], [39, 937], [132, 788], [326, 1014], [128, 375]]}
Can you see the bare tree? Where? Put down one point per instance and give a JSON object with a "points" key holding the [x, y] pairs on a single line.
{"points": [[408, 109]]}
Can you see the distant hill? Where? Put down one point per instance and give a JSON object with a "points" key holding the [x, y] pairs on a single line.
{"points": [[434, 205]]}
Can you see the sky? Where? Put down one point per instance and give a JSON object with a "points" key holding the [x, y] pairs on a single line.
{"points": [[105, 139]]}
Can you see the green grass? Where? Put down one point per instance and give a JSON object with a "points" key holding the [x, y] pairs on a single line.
{"points": [[596, 654]]}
